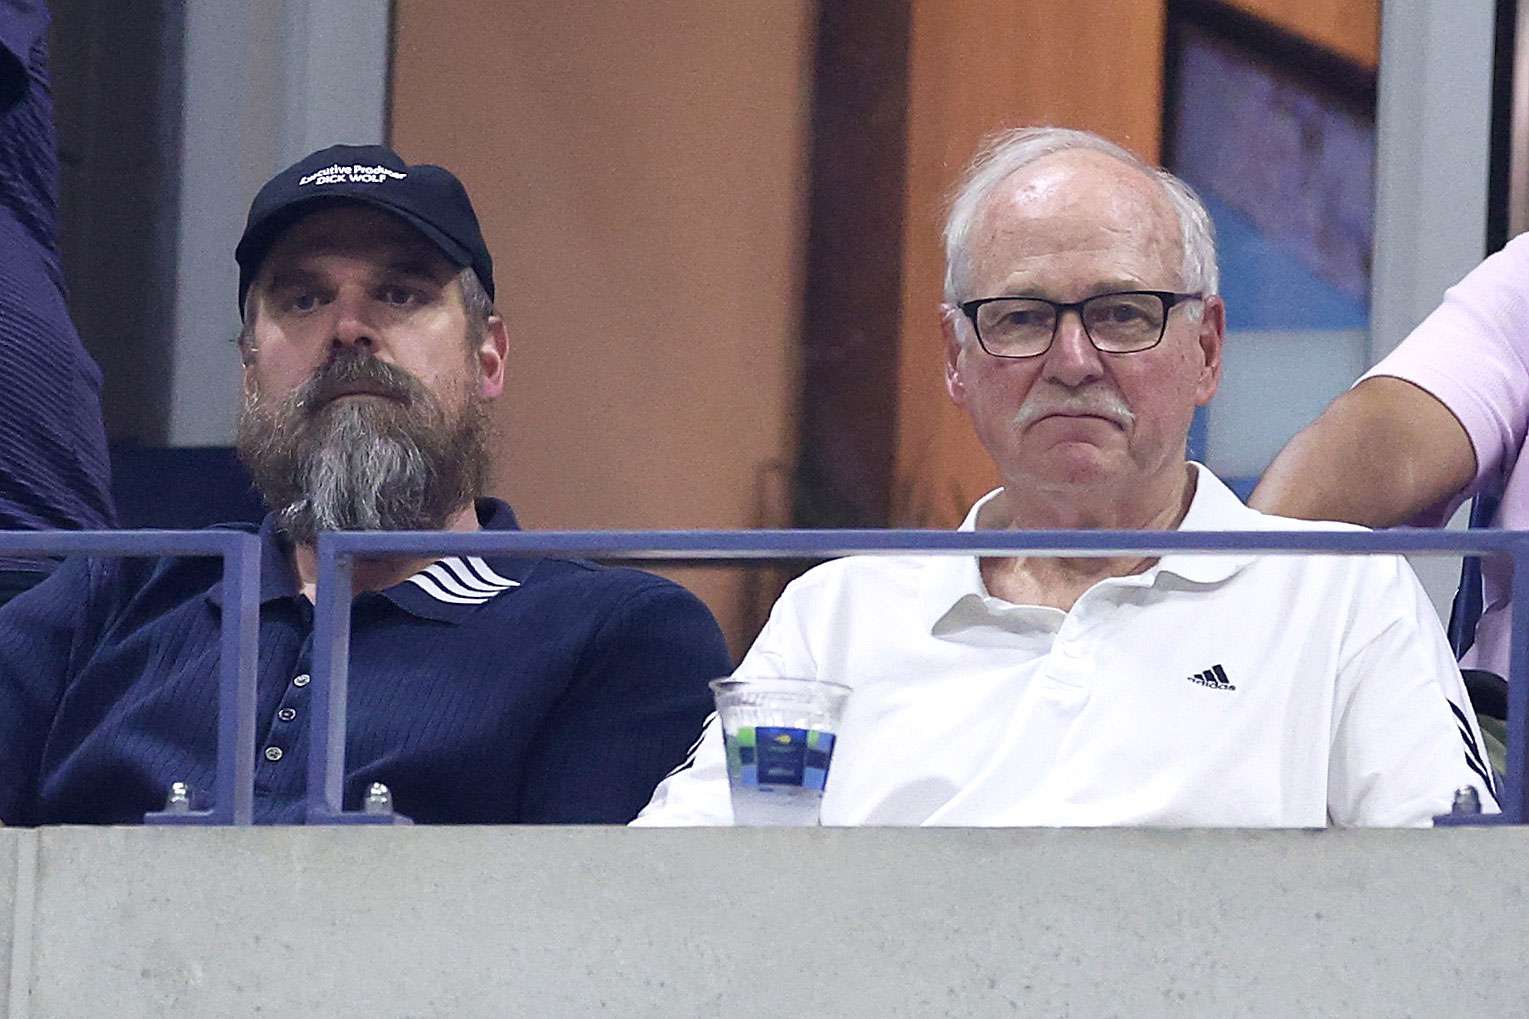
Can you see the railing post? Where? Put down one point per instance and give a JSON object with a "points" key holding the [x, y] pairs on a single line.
{"points": [[238, 660], [331, 684], [236, 684], [1515, 802], [330, 669]]}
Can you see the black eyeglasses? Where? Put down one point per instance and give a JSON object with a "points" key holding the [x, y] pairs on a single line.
{"points": [[1119, 323]]}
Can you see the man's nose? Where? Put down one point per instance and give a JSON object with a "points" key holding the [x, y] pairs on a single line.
{"points": [[1073, 359], [352, 325]]}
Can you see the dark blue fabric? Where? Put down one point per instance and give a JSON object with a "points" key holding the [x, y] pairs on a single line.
{"points": [[1470, 597], [563, 700], [181, 488], [54, 470]]}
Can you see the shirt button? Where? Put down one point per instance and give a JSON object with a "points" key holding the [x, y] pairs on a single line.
{"points": [[287, 714], [273, 753], [301, 680]]}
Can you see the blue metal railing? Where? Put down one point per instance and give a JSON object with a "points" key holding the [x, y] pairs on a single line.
{"points": [[240, 553], [233, 794], [336, 552]]}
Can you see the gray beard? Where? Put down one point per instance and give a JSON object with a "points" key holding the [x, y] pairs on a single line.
{"points": [[400, 463]]}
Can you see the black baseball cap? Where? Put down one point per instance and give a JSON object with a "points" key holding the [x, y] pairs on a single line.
{"points": [[428, 198]]}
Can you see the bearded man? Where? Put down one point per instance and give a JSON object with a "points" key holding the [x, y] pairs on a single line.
{"points": [[483, 690]]}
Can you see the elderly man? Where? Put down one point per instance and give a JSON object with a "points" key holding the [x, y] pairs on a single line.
{"points": [[483, 690], [1082, 329]]}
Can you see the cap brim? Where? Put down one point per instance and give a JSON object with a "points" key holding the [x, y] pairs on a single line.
{"points": [[256, 243]]}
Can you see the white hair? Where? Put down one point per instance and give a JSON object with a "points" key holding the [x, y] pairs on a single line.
{"points": [[1007, 152]]}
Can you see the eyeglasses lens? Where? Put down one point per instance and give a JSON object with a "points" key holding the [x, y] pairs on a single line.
{"points": [[1116, 323]]}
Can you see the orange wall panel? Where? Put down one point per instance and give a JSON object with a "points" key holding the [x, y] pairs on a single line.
{"points": [[639, 170], [1349, 28], [977, 67]]}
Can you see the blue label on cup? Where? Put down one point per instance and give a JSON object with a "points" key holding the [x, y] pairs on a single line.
{"points": [[779, 756], [820, 751], [782, 755]]}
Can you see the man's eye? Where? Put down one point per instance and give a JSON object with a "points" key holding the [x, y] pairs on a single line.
{"points": [[1021, 319], [305, 301], [1121, 311], [1023, 316], [400, 296]]}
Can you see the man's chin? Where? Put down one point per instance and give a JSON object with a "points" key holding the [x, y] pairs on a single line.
{"points": [[352, 416], [1077, 462], [343, 399]]}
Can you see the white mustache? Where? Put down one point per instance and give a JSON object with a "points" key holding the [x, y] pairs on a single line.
{"points": [[1094, 403]]}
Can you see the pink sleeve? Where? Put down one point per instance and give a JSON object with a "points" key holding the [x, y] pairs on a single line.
{"points": [[1472, 353]]}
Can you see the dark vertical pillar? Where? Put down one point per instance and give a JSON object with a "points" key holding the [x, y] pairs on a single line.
{"points": [[1500, 165], [117, 103], [847, 432]]}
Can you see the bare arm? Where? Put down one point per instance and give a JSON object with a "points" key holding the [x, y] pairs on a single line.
{"points": [[1381, 454]]}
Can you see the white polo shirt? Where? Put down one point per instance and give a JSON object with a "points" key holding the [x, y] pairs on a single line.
{"points": [[1210, 690]]}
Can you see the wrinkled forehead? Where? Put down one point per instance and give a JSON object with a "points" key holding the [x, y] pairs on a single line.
{"points": [[356, 232], [1071, 217]]}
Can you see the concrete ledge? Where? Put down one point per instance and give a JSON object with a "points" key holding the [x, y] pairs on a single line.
{"points": [[562, 921]]}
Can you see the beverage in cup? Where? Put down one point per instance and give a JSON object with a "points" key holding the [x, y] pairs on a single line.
{"points": [[779, 734]]}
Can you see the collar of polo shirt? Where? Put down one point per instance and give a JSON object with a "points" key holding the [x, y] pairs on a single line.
{"points": [[951, 580]]}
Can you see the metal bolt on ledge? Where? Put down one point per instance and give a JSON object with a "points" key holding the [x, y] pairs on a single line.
{"points": [[1467, 801], [379, 799], [179, 800]]}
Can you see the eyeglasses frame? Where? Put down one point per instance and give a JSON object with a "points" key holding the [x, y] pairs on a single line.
{"points": [[1170, 299]]}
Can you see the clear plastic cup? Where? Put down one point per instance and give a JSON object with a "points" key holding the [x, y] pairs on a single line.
{"points": [[779, 734]]}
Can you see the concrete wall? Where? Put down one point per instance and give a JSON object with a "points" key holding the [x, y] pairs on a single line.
{"points": [[542, 921]]}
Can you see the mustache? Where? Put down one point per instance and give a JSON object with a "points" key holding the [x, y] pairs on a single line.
{"points": [[350, 371], [1103, 403]]}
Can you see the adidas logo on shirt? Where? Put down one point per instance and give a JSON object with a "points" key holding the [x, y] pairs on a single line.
{"points": [[1213, 677]]}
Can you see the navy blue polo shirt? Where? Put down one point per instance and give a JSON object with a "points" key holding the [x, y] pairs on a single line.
{"points": [[494, 690], [54, 470]]}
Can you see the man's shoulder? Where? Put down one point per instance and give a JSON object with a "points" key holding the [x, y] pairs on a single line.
{"points": [[1260, 521], [874, 578], [582, 573], [175, 576], [856, 568], [1217, 507], [574, 604], [136, 588], [589, 588], [1345, 577], [140, 567], [1372, 580]]}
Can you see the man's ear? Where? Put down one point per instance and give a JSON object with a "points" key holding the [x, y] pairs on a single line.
{"points": [[950, 329], [245, 341], [246, 346], [1212, 340], [492, 351]]}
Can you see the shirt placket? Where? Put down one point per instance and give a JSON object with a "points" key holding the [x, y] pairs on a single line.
{"points": [[1073, 659], [278, 769]]}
